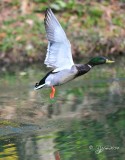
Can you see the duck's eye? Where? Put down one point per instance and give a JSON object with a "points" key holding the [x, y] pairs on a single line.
{"points": [[36, 84]]}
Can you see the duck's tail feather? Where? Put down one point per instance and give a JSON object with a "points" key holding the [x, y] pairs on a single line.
{"points": [[37, 86]]}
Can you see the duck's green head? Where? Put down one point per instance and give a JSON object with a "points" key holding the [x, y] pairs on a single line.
{"points": [[99, 60]]}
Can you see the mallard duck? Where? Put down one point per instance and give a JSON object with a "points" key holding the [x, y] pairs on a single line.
{"points": [[59, 57]]}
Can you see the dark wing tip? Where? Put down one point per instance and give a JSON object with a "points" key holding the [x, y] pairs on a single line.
{"points": [[48, 11], [48, 8]]}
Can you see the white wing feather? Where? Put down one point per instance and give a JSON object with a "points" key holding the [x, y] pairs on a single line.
{"points": [[59, 54]]}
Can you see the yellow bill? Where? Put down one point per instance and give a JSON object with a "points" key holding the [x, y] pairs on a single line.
{"points": [[109, 61]]}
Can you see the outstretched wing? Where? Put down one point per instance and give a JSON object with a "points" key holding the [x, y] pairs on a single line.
{"points": [[59, 54]]}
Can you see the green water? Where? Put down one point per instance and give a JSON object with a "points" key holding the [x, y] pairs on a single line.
{"points": [[85, 121]]}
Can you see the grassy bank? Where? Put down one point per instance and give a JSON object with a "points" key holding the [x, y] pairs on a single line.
{"points": [[94, 28]]}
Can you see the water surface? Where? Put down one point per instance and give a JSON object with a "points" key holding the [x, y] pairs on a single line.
{"points": [[85, 121]]}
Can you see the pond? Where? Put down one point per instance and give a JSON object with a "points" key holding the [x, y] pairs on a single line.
{"points": [[85, 121]]}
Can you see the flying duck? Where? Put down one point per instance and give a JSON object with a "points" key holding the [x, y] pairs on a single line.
{"points": [[59, 57]]}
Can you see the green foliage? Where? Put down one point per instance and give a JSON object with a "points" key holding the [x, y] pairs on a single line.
{"points": [[19, 32], [40, 1], [83, 17], [8, 41], [58, 5], [95, 12], [9, 21], [117, 21], [15, 2], [89, 22], [123, 1], [93, 17], [8, 123]]}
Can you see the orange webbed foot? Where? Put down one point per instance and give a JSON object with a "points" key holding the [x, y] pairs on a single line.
{"points": [[52, 93]]}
